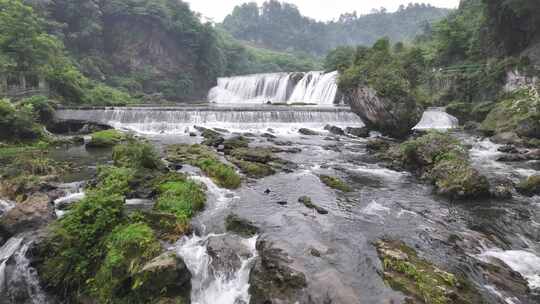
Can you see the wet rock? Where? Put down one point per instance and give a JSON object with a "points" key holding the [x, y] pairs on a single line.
{"points": [[471, 126], [507, 138], [34, 213], [240, 226], [306, 201], [502, 189], [259, 155], [227, 252], [192, 134], [292, 150], [530, 186], [220, 130], [282, 203], [267, 191], [314, 252], [424, 282], [307, 132], [500, 275], [212, 138], [235, 142], [283, 143], [358, 132], [273, 280], [167, 275], [508, 149], [512, 158], [268, 135], [253, 169], [394, 118], [334, 130]]}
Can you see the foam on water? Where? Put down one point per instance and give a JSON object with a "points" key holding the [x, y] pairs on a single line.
{"points": [[436, 119], [314, 87], [178, 120], [5, 206], [209, 287], [524, 262]]}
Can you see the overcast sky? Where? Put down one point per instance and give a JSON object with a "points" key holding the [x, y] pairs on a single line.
{"points": [[317, 9]]}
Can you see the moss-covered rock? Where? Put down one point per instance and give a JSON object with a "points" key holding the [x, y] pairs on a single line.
{"points": [[137, 155], [180, 196], [530, 186], [129, 248], [235, 143], [253, 169], [240, 226], [105, 139], [208, 161], [259, 155], [519, 113], [444, 161], [335, 183], [166, 277], [306, 201], [421, 280]]}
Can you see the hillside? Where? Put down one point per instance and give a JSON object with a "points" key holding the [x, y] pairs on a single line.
{"points": [[281, 26]]}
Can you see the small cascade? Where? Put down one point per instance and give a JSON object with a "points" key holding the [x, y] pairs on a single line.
{"points": [[5, 206], [313, 88], [176, 120], [437, 119], [19, 282], [211, 284], [73, 193], [526, 263]]}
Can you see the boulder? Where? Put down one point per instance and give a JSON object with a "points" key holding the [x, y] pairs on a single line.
{"points": [[273, 280], [35, 212], [334, 130], [227, 252], [391, 118], [240, 226], [166, 275], [358, 132], [307, 132], [530, 186], [306, 201], [506, 138]]}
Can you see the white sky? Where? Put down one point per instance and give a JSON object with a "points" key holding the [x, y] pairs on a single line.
{"points": [[317, 9]]}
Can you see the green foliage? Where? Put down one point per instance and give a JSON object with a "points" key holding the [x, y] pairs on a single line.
{"points": [[17, 124], [106, 138], [518, 112], [137, 155], [40, 107], [280, 26], [128, 248], [339, 59], [180, 196], [335, 183], [75, 245], [198, 155], [420, 279]]}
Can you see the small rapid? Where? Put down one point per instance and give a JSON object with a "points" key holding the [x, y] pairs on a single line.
{"points": [[215, 277]]}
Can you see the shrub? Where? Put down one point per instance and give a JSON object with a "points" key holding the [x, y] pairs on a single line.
{"points": [[40, 107], [136, 155], [128, 249], [107, 138], [17, 125], [180, 196], [223, 175]]}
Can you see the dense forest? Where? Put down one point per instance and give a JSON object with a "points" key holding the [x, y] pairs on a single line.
{"points": [[281, 26]]}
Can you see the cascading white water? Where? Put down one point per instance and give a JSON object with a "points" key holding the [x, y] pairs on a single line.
{"points": [[437, 119], [315, 88], [18, 281], [177, 120], [5, 206]]}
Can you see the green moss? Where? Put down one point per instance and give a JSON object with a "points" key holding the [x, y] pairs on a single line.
{"points": [[240, 226], [138, 155], [107, 138], [416, 277], [335, 183], [517, 113], [530, 186], [128, 248], [73, 250], [200, 156], [259, 155], [444, 161], [181, 197], [235, 143], [253, 169]]}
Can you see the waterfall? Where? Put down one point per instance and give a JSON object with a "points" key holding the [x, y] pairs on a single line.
{"points": [[314, 88], [175, 120], [18, 281], [437, 119]]}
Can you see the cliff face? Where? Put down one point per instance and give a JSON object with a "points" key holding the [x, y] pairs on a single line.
{"points": [[152, 47]]}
